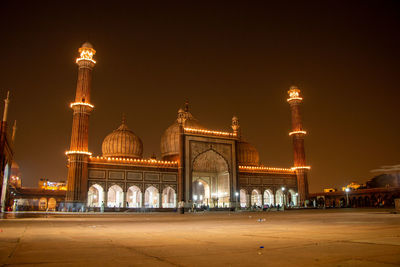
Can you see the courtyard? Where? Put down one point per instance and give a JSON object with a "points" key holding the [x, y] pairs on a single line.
{"points": [[341, 237]]}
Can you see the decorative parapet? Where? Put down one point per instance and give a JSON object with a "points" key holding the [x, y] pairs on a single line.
{"points": [[263, 169], [135, 162], [210, 132]]}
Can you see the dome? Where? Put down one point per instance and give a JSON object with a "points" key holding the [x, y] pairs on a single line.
{"points": [[122, 142], [170, 138], [87, 45], [247, 154]]}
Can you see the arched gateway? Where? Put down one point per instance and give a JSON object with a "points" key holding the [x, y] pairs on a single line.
{"points": [[210, 180]]}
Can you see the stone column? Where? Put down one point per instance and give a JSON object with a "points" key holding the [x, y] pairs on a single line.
{"points": [[143, 199], [123, 200], [160, 199], [262, 199]]}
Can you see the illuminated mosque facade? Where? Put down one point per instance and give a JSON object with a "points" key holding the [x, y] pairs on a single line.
{"points": [[198, 166]]}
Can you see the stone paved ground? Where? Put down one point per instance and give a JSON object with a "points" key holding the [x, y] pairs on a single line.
{"points": [[291, 238]]}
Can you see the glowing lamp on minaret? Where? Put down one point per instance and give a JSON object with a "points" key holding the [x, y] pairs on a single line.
{"points": [[298, 135], [87, 53], [78, 153]]}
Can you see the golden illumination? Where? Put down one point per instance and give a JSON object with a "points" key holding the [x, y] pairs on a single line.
{"points": [[78, 152], [297, 132], [86, 54], [81, 104], [209, 132], [294, 94], [144, 162], [265, 169], [352, 186], [55, 186], [301, 168]]}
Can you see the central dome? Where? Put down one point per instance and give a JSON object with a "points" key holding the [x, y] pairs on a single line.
{"points": [[122, 142], [170, 138]]}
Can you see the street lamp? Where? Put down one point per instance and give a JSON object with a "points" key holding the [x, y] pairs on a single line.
{"points": [[283, 196], [347, 195], [297, 198]]}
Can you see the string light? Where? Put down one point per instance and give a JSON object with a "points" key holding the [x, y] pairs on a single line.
{"points": [[301, 168], [294, 98], [297, 132], [262, 168], [294, 94], [77, 152], [145, 162], [86, 54], [81, 104], [210, 132]]}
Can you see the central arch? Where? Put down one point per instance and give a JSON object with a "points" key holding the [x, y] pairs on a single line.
{"points": [[210, 180]]}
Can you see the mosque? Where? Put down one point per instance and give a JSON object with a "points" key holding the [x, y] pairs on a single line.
{"points": [[199, 166]]}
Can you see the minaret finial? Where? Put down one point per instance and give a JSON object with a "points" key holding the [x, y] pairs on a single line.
{"points": [[14, 131], [235, 125], [181, 116], [186, 105], [6, 101], [123, 118]]}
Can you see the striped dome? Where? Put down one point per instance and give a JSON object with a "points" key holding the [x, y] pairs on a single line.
{"points": [[170, 138], [122, 142], [247, 154]]}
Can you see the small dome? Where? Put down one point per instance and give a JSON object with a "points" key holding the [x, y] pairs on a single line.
{"points": [[170, 138], [87, 45], [123, 143], [247, 154]]}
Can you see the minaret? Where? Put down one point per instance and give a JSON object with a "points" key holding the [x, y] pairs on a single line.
{"points": [[78, 155], [4, 172], [6, 102], [298, 134], [182, 115], [14, 131]]}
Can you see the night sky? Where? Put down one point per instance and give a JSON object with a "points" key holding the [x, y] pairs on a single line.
{"points": [[228, 58]]}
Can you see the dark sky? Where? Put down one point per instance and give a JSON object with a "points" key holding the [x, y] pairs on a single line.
{"points": [[228, 58]]}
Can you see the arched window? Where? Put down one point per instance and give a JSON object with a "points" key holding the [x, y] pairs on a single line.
{"points": [[293, 196], [279, 197], [168, 198], [151, 197], [243, 198], [51, 205], [95, 196], [43, 203], [115, 196], [256, 198], [134, 197], [268, 197]]}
